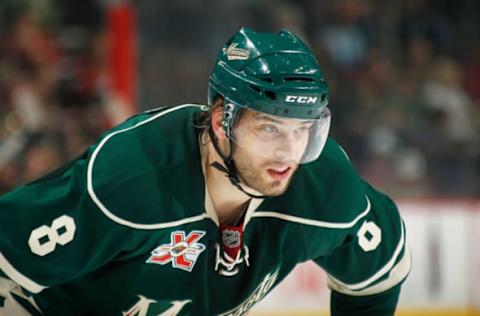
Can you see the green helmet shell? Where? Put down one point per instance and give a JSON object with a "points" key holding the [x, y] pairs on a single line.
{"points": [[273, 73]]}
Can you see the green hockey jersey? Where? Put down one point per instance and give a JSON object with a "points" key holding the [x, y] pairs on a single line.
{"points": [[128, 228]]}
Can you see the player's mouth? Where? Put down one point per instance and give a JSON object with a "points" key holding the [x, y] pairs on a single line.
{"points": [[279, 173]]}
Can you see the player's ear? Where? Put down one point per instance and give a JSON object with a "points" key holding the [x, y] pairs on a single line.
{"points": [[217, 118]]}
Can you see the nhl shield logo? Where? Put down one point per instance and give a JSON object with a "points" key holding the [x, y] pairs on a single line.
{"points": [[231, 238]]}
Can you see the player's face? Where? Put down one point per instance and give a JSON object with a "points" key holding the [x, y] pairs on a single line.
{"points": [[268, 150]]}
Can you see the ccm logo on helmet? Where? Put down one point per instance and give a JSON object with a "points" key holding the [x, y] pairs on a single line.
{"points": [[300, 99]]}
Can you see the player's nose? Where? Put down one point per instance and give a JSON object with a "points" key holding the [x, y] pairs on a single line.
{"points": [[288, 150]]}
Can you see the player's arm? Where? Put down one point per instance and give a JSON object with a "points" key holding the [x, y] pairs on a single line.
{"points": [[383, 303], [51, 231], [366, 271]]}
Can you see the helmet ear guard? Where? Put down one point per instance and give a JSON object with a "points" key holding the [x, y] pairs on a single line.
{"points": [[229, 109]]}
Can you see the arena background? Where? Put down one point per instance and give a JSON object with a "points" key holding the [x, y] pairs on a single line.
{"points": [[405, 96]]}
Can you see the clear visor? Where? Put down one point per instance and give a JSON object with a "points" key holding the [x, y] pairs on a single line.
{"points": [[283, 140]]}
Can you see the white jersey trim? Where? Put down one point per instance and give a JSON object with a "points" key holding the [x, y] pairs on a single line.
{"points": [[18, 277], [386, 268], [10, 304], [105, 210], [311, 222], [396, 275]]}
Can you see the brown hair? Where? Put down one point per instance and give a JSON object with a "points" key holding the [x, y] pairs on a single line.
{"points": [[203, 120]]}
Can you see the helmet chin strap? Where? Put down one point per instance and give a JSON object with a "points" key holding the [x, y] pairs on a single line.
{"points": [[230, 171]]}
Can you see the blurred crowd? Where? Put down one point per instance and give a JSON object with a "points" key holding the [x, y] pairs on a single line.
{"points": [[406, 87], [404, 79], [405, 82], [50, 87]]}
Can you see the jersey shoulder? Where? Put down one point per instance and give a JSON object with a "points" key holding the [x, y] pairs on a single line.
{"points": [[328, 190], [146, 171]]}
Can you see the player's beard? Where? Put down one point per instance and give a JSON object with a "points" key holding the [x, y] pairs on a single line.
{"points": [[252, 171]]}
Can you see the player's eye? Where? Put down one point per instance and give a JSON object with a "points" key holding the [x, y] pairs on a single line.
{"points": [[269, 128], [303, 129], [268, 132]]}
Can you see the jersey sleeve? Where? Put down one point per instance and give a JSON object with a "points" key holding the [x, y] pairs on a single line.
{"points": [[381, 304], [366, 270], [51, 231]]}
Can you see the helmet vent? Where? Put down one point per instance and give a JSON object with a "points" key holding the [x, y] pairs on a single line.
{"points": [[299, 79], [257, 89], [267, 93], [270, 94], [269, 80]]}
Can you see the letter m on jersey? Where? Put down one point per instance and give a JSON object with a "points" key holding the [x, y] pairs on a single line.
{"points": [[182, 251]]}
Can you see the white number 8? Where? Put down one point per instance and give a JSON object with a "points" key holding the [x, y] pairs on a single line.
{"points": [[60, 232], [369, 236]]}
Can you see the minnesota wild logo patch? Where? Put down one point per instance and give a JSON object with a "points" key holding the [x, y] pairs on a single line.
{"points": [[235, 53]]}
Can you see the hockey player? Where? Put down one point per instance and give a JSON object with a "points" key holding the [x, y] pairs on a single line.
{"points": [[202, 210]]}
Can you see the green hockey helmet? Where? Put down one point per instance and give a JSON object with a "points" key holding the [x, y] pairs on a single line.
{"points": [[274, 74]]}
